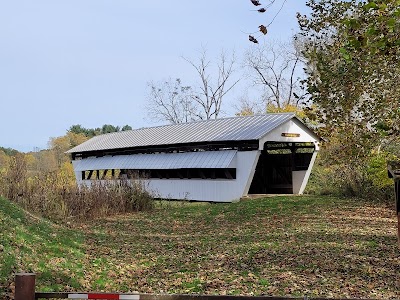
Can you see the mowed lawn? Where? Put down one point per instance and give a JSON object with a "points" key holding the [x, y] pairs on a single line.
{"points": [[294, 246]]}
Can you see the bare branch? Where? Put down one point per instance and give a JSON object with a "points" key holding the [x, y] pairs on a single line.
{"points": [[275, 67], [211, 92], [170, 101]]}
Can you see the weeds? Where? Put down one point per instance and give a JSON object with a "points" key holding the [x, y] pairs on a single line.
{"points": [[364, 178], [55, 196]]}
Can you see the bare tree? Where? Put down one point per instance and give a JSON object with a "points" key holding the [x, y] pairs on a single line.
{"points": [[277, 68], [210, 91], [173, 102], [170, 101]]}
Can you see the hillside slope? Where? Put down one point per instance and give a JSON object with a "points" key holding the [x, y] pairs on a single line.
{"points": [[28, 244], [315, 246]]}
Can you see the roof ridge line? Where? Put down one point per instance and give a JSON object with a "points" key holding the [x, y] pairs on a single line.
{"points": [[199, 121]]}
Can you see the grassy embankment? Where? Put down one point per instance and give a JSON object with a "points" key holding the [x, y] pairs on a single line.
{"points": [[315, 246]]}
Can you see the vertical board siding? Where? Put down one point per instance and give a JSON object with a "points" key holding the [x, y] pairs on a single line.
{"points": [[217, 190]]}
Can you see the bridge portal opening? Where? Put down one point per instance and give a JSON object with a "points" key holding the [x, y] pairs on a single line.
{"points": [[282, 168]]}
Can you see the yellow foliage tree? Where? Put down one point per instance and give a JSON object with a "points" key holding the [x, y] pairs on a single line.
{"points": [[66, 175], [61, 144], [4, 160], [271, 108]]}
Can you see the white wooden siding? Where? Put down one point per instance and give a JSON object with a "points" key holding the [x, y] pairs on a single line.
{"points": [[291, 126], [217, 190]]}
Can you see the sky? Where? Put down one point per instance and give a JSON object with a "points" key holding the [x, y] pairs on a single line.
{"points": [[88, 62]]}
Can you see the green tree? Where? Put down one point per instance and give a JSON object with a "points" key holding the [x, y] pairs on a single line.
{"points": [[91, 132], [353, 52], [107, 128], [78, 129], [126, 128], [9, 151]]}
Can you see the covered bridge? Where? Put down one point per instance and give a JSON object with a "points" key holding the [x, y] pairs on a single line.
{"points": [[216, 160]]}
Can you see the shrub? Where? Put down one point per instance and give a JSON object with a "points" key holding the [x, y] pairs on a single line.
{"points": [[363, 178], [55, 196]]}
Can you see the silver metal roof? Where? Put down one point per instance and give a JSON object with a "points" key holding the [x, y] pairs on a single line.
{"points": [[229, 129], [206, 160]]}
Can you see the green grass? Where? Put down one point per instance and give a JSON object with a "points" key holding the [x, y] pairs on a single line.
{"points": [[315, 246], [30, 244]]}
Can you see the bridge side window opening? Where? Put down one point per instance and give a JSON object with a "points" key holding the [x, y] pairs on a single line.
{"points": [[196, 173]]}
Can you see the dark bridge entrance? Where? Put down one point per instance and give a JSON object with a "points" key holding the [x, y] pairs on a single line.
{"points": [[276, 166]]}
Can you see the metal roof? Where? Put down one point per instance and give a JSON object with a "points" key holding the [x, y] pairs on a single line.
{"points": [[229, 129], [187, 160]]}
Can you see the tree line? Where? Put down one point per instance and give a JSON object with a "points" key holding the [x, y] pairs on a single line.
{"points": [[340, 73], [91, 132], [54, 159]]}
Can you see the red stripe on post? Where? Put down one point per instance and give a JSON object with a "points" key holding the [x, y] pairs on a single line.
{"points": [[103, 296]]}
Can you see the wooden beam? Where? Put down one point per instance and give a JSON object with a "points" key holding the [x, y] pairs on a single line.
{"points": [[104, 174], [213, 176], [397, 195], [228, 174], [394, 172], [202, 175]]}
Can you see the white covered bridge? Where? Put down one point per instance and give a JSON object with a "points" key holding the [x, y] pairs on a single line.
{"points": [[216, 160]]}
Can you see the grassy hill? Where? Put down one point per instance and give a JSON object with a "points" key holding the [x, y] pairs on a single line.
{"points": [[315, 246], [30, 244]]}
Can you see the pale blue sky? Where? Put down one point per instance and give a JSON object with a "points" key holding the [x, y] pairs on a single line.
{"points": [[88, 61]]}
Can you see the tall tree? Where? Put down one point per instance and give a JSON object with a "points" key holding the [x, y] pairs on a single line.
{"points": [[353, 53], [210, 92], [60, 145], [171, 101], [278, 69], [174, 102]]}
